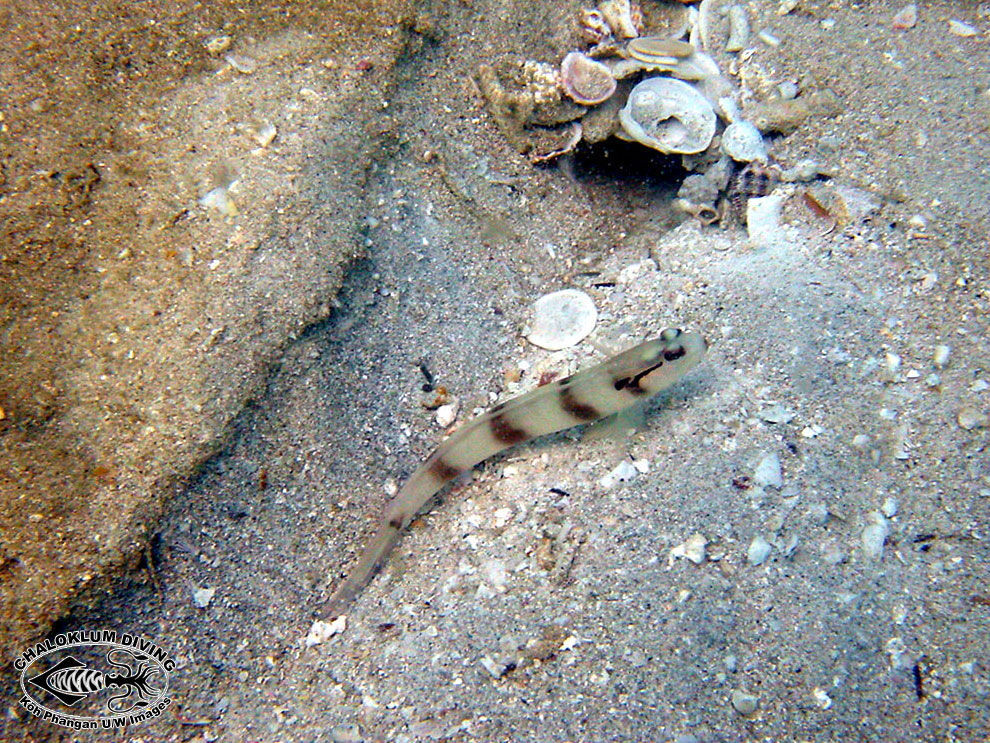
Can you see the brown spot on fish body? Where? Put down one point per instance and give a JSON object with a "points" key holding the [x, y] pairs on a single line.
{"points": [[580, 410], [443, 471], [395, 523], [505, 431]]}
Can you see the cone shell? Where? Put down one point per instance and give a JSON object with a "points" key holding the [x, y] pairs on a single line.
{"points": [[586, 81]]}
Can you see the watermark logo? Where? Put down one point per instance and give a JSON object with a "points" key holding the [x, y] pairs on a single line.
{"points": [[94, 679]]}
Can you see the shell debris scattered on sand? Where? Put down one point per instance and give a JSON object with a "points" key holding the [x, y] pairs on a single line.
{"points": [[562, 319]]}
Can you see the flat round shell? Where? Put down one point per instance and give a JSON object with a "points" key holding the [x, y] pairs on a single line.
{"points": [[562, 319], [648, 48], [586, 80]]}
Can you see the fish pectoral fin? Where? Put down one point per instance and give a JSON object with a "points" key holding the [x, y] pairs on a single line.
{"points": [[618, 425], [604, 348]]}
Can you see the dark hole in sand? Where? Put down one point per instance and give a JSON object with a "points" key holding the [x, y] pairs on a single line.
{"points": [[628, 165]]}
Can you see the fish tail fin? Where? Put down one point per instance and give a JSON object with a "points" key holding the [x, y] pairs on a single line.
{"points": [[369, 563]]}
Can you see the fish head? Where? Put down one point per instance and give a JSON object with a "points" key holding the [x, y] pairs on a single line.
{"points": [[659, 363]]}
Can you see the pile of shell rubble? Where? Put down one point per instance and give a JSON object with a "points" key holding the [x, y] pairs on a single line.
{"points": [[660, 88]]}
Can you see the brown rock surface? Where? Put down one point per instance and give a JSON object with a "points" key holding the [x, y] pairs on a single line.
{"points": [[136, 321]]}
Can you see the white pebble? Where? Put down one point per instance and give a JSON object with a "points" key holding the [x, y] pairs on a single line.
{"points": [[874, 536], [562, 319], [889, 507], [496, 574], [502, 516], [818, 512], [322, 631], [970, 418], [218, 44], [744, 702], [447, 414], [763, 220], [758, 552], [941, 356], [822, 699], [768, 473], [788, 90], [693, 549], [897, 651], [624, 471], [203, 596], [219, 199], [244, 65], [768, 38], [776, 414], [346, 732], [738, 29], [963, 29], [264, 133], [833, 553], [892, 365], [495, 669], [570, 642], [743, 142], [635, 271], [906, 17]]}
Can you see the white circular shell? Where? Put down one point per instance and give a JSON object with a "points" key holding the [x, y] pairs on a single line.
{"points": [[562, 319], [743, 142], [669, 115]]}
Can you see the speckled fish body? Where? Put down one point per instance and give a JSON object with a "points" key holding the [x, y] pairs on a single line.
{"points": [[589, 395]]}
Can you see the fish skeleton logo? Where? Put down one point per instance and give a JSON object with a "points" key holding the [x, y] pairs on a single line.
{"points": [[64, 682]]}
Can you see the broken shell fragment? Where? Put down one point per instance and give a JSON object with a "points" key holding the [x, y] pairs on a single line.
{"points": [[562, 319], [743, 142], [586, 81], [668, 115], [594, 27], [562, 144], [622, 16], [738, 29]]}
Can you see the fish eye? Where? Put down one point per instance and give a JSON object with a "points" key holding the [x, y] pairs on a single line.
{"points": [[669, 334]]}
